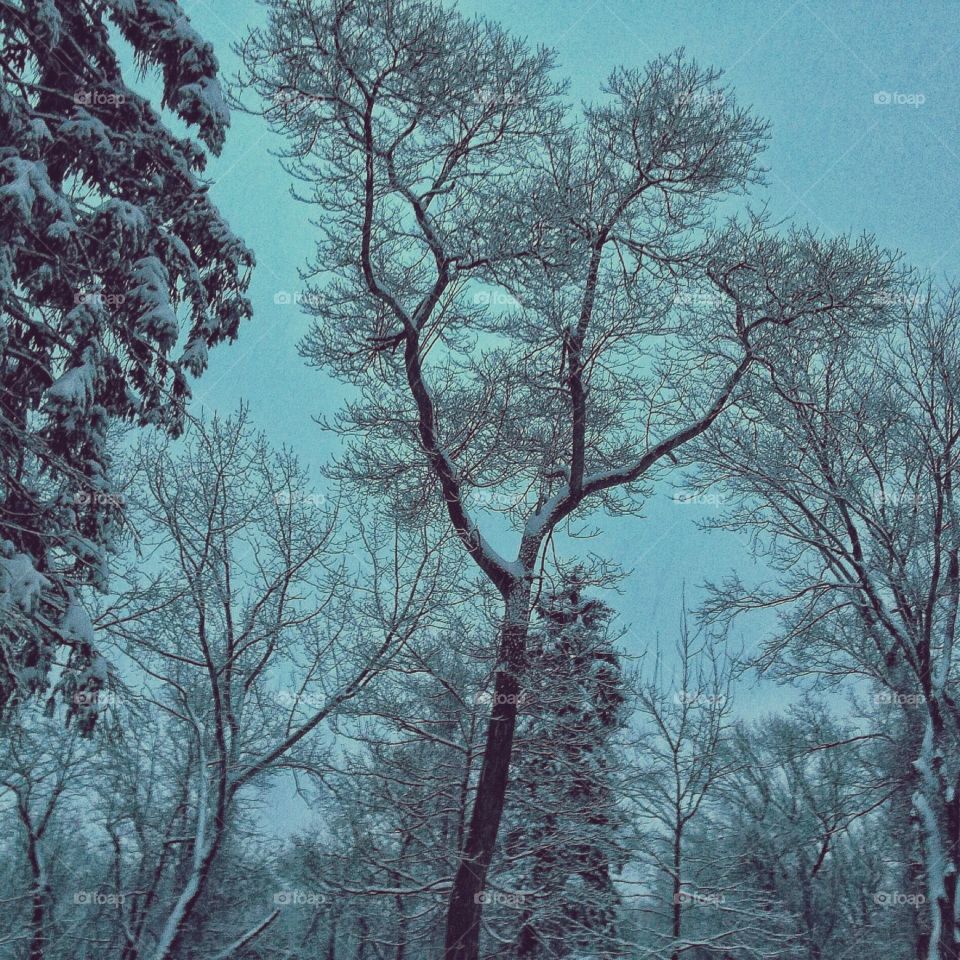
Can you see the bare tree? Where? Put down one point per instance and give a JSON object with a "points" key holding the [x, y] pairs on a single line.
{"points": [[685, 727], [38, 766], [399, 792], [803, 827], [501, 280], [850, 473], [265, 631]]}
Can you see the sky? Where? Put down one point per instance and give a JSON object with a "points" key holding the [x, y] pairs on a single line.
{"points": [[863, 102]]}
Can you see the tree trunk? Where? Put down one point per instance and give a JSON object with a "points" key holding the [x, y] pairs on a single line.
{"points": [[332, 940], [401, 953], [39, 888], [527, 942], [465, 907], [363, 933], [39, 893], [952, 907], [938, 817], [677, 925], [806, 881], [938, 823]]}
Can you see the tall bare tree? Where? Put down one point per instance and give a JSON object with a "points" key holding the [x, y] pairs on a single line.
{"points": [[685, 724], [40, 763], [498, 277], [262, 631], [850, 473], [803, 828]]}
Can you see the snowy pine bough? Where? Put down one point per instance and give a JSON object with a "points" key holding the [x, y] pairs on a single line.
{"points": [[117, 275]]}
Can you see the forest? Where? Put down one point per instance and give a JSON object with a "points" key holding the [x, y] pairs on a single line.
{"points": [[388, 695]]}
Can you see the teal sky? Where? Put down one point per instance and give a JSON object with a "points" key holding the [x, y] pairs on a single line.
{"points": [[838, 161]]}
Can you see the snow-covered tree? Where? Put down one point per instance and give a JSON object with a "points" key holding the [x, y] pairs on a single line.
{"points": [[802, 828], [500, 277], [42, 770], [564, 828], [117, 274], [850, 471], [684, 719], [254, 633]]}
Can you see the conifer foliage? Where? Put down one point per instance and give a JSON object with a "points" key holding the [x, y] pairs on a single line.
{"points": [[567, 830], [117, 274]]}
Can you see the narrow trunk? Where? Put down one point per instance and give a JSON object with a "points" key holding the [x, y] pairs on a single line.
{"points": [[937, 821], [814, 951], [950, 907], [677, 927], [332, 940], [39, 903], [401, 953], [527, 942], [464, 791], [363, 932], [465, 907], [39, 889], [938, 817], [908, 842], [944, 909]]}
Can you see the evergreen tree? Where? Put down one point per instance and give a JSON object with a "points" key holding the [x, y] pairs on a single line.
{"points": [[117, 273], [566, 825]]}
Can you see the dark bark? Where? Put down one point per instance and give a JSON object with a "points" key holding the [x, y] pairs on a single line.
{"points": [[39, 890], [363, 934], [39, 896], [465, 907], [677, 925], [332, 940], [949, 948]]}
